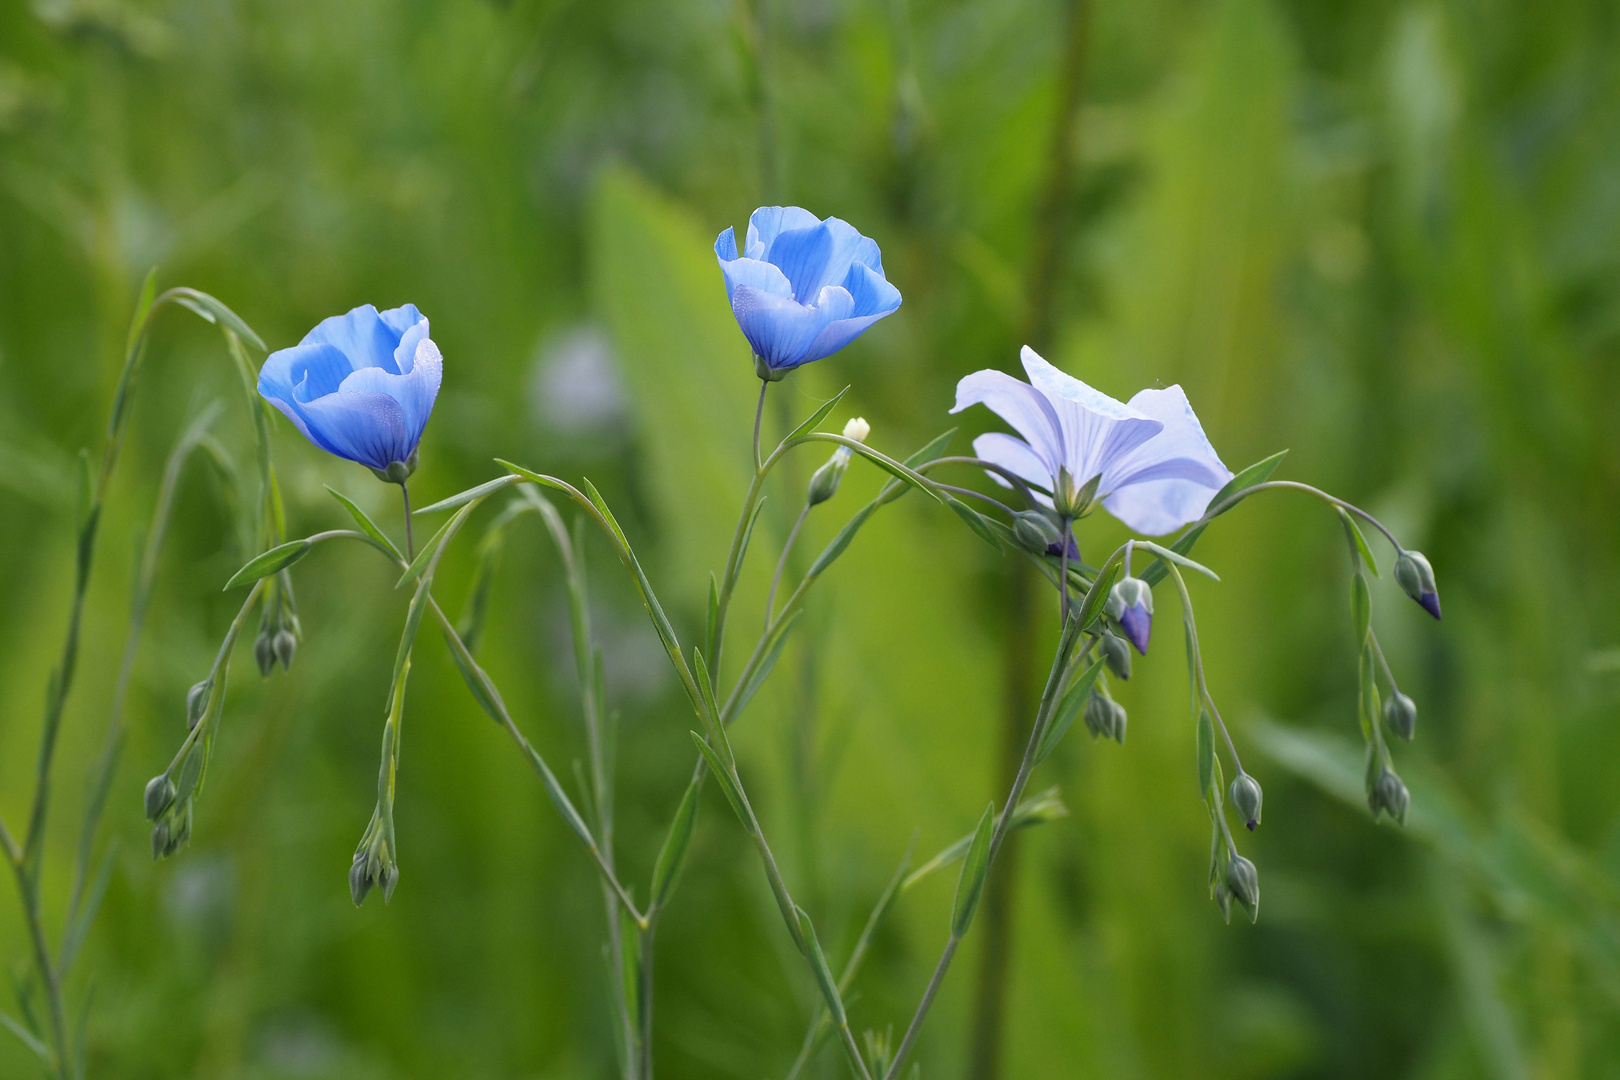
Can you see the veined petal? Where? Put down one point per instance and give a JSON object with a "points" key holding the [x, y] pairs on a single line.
{"points": [[756, 275], [361, 335], [402, 318], [415, 391], [1169, 481], [725, 245], [362, 426], [873, 294], [1021, 405], [766, 223], [1016, 457], [1096, 429], [779, 328], [405, 351]]}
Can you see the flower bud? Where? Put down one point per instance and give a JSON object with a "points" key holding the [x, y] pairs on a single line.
{"points": [[285, 645], [1115, 653], [160, 839], [1416, 576], [398, 471], [197, 702], [1104, 716], [264, 651], [825, 480], [359, 880], [857, 428], [1390, 796], [1400, 713], [160, 793], [1072, 501], [1246, 798], [1037, 532], [1130, 604], [1223, 899], [1244, 881]]}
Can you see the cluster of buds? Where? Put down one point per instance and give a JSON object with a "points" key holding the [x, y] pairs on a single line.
{"points": [[1386, 794], [825, 480], [1104, 716], [278, 630], [374, 861]]}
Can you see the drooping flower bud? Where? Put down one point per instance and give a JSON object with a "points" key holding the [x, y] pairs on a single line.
{"points": [[197, 702], [1246, 798], [825, 480], [1400, 713], [1037, 532], [285, 645], [1416, 576], [359, 880], [160, 793], [160, 839], [1115, 653], [1244, 881], [1072, 499], [1130, 604], [1389, 796], [264, 651], [1105, 717]]}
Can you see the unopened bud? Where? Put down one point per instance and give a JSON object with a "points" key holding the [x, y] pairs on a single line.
{"points": [[1400, 713], [825, 480], [160, 839], [1115, 653], [1416, 576], [857, 428], [197, 702], [1246, 798], [1389, 796], [264, 651], [1105, 717], [1072, 499], [1037, 532], [1244, 881], [160, 793], [359, 880], [1130, 604], [286, 646]]}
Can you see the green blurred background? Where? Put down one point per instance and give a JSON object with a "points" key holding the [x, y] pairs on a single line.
{"points": [[1382, 235]]}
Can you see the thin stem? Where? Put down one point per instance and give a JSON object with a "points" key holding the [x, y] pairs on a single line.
{"points": [[997, 503], [410, 540], [1063, 574], [1054, 681], [1378, 650], [781, 563], [42, 959], [1222, 506], [645, 1011], [759, 416], [1018, 482], [1198, 664]]}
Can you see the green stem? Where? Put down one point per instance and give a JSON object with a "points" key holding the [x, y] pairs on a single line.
{"points": [[410, 540], [781, 563], [1207, 698], [1236, 496]]}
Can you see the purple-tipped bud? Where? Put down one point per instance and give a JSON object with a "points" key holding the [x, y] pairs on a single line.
{"points": [[1246, 798], [1416, 576], [1130, 604]]}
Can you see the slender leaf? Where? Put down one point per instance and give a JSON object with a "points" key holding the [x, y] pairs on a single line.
{"points": [[1360, 605], [461, 498], [367, 526], [975, 521], [763, 671], [816, 417], [40, 1050], [211, 310], [1258, 473], [839, 543], [1092, 608], [723, 777], [1206, 754], [428, 558], [886, 463], [975, 868], [270, 562], [143, 308], [818, 964], [672, 856], [1358, 542], [1177, 558], [1068, 708]]}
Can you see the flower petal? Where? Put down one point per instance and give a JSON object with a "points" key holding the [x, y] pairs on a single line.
{"points": [[1097, 430], [766, 223], [1168, 482], [757, 275], [415, 391], [872, 293], [1016, 457], [361, 335], [1021, 405], [362, 426], [779, 328], [725, 245]]}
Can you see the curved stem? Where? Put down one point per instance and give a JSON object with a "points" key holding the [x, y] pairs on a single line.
{"points": [[410, 540], [1232, 499], [781, 563], [1378, 650], [1198, 666], [1018, 482], [997, 503]]}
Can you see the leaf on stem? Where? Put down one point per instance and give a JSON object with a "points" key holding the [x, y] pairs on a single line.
{"points": [[1068, 708], [723, 778], [818, 964], [367, 526], [672, 856], [974, 870], [816, 417], [975, 521], [1092, 608], [428, 558], [28, 1039], [1206, 754], [763, 671], [461, 498], [1258, 473], [211, 310], [1358, 542], [1177, 558], [270, 562], [1360, 605]]}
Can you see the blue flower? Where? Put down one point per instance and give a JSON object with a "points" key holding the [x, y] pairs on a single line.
{"points": [[360, 385], [1154, 469], [803, 288]]}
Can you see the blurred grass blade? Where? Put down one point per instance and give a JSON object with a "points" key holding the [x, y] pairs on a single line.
{"points": [[269, 562], [211, 310], [975, 868], [27, 1037]]}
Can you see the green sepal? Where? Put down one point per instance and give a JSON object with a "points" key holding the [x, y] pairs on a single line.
{"points": [[975, 867], [1258, 473], [1068, 708], [672, 856], [1091, 608], [270, 562]]}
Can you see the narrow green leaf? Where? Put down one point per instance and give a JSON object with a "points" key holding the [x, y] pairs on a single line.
{"points": [[1206, 754], [270, 562], [367, 526], [1068, 708], [975, 867], [143, 308], [711, 710], [28, 1039], [672, 856], [1046, 806], [816, 417], [839, 543], [888, 464], [73, 939], [818, 964], [723, 778], [434, 548], [763, 671], [1258, 473], [712, 624], [211, 310], [488, 487], [1360, 605], [748, 532], [470, 674], [930, 450], [1369, 692], [975, 521], [85, 496], [1358, 542], [1091, 610], [1177, 558]]}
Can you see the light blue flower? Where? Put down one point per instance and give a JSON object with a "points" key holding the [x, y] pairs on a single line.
{"points": [[1155, 469], [360, 385], [803, 288]]}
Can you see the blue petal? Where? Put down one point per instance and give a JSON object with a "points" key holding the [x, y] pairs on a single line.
{"points": [[725, 245], [1016, 457], [820, 256], [1167, 482], [756, 275], [1022, 406], [873, 295], [1097, 430], [362, 426], [415, 391], [780, 329], [768, 221], [361, 335]]}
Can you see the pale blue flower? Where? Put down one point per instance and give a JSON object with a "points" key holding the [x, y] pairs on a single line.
{"points": [[802, 288], [360, 385], [1155, 469]]}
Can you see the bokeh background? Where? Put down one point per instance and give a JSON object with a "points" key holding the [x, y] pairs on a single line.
{"points": [[1382, 235]]}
